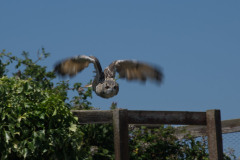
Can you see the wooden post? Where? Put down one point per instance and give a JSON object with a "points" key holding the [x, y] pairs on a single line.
{"points": [[120, 124], [214, 132]]}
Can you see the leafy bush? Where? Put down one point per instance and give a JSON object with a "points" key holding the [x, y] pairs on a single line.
{"points": [[36, 122]]}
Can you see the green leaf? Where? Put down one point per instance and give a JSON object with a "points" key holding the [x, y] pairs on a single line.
{"points": [[15, 143], [18, 133], [37, 141], [41, 134], [11, 128], [21, 117], [3, 116], [35, 134], [73, 127], [25, 152], [42, 116], [105, 151], [76, 118], [7, 136], [54, 113], [105, 130], [31, 146]]}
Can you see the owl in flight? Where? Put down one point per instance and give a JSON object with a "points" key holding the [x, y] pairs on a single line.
{"points": [[104, 83]]}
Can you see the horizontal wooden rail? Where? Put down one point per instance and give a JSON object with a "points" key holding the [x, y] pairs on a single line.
{"points": [[157, 118], [228, 126], [166, 117], [143, 117], [93, 116]]}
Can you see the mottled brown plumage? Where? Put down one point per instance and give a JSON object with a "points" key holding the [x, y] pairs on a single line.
{"points": [[104, 83]]}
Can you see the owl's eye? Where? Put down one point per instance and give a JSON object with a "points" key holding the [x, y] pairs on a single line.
{"points": [[115, 87], [106, 87]]}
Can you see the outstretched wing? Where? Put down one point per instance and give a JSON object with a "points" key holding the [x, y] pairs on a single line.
{"points": [[76, 64], [134, 70]]}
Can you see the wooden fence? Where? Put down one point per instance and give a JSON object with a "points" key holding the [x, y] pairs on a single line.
{"points": [[122, 117], [228, 126]]}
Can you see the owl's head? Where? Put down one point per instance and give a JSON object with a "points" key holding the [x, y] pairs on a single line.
{"points": [[107, 89]]}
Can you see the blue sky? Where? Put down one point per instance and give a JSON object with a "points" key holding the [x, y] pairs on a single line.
{"points": [[197, 44]]}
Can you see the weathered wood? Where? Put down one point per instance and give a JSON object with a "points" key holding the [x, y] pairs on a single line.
{"points": [[143, 117], [215, 146], [122, 117], [195, 131], [182, 131], [228, 126], [93, 116], [166, 117], [120, 124]]}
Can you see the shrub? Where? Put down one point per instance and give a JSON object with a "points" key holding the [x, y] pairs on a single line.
{"points": [[36, 123]]}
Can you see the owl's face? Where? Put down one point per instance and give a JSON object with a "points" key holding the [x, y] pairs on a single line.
{"points": [[107, 89]]}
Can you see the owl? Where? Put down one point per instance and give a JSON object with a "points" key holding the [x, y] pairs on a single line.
{"points": [[104, 83]]}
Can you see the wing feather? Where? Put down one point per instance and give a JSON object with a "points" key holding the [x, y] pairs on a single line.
{"points": [[134, 70], [76, 64]]}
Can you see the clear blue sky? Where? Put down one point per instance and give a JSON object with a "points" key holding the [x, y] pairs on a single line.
{"points": [[197, 43]]}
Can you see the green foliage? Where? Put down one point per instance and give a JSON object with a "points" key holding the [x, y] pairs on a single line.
{"points": [[3, 69], [101, 137], [36, 72], [162, 144], [81, 102], [113, 105], [36, 122]]}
